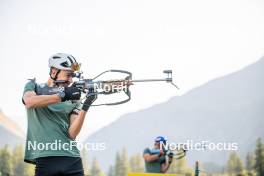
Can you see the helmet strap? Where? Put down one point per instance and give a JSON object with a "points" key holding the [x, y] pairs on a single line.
{"points": [[56, 76]]}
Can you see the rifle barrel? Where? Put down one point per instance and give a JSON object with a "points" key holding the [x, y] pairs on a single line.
{"points": [[148, 80]]}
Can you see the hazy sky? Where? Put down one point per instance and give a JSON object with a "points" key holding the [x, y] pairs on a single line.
{"points": [[198, 40]]}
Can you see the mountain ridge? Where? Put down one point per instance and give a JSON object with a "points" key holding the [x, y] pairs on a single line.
{"points": [[10, 132]]}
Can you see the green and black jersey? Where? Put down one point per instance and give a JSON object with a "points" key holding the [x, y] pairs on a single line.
{"points": [[154, 166], [47, 133]]}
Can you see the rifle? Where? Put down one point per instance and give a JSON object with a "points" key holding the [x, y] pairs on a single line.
{"points": [[177, 154], [105, 87]]}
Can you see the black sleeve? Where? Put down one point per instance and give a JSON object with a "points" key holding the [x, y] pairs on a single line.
{"points": [[75, 111]]}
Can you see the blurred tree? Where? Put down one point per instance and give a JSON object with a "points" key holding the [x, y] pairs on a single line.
{"points": [[95, 169], [118, 165], [6, 167], [136, 164], [19, 166], [124, 163], [111, 171], [17, 161], [84, 156], [250, 162], [259, 158], [234, 164], [140, 163], [132, 163]]}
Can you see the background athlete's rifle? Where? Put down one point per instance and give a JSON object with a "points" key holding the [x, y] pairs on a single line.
{"points": [[176, 153]]}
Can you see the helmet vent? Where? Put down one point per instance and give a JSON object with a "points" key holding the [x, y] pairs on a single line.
{"points": [[70, 59], [65, 64]]}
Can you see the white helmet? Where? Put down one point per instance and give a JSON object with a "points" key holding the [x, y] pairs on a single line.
{"points": [[63, 61]]}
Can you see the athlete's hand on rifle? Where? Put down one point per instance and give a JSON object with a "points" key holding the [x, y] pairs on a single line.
{"points": [[89, 101], [170, 160], [69, 93], [170, 157], [162, 153]]}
